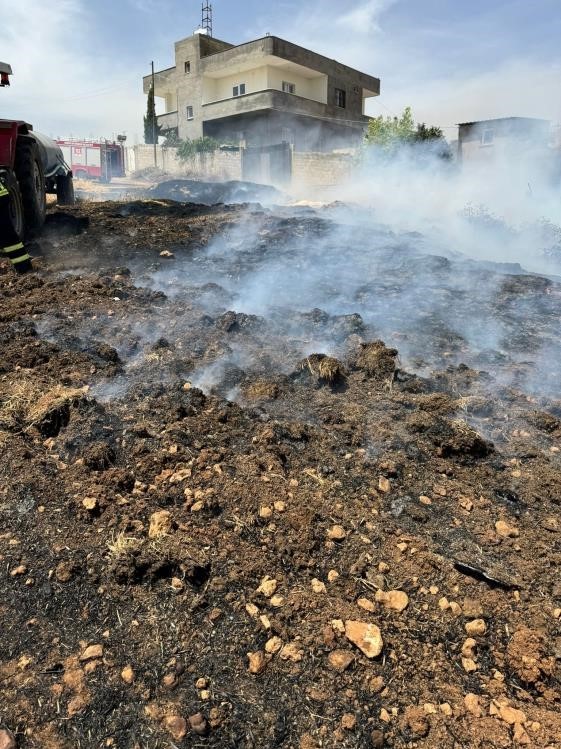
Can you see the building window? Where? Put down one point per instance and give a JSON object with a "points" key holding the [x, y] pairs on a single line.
{"points": [[288, 88], [239, 90], [340, 98], [487, 137], [190, 115], [188, 67]]}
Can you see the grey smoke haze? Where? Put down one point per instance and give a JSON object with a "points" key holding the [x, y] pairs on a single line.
{"points": [[411, 253]]}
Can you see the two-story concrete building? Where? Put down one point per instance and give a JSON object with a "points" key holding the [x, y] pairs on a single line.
{"points": [[262, 93]]}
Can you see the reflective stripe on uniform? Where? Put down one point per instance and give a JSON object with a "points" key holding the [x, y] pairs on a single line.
{"points": [[16, 253], [20, 259], [3, 191]]}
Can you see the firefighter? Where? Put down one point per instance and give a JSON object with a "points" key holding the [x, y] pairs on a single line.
{"points": [[15, 252]]}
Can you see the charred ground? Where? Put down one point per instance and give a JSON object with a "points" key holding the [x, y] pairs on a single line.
{"points": [[153, 535]]}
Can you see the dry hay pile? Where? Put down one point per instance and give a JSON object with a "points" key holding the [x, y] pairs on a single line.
{"points": [[25, 405], [377, 360], [326, 369]]}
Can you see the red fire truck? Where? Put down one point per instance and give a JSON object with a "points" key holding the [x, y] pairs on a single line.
{"points": [[90, 159]]}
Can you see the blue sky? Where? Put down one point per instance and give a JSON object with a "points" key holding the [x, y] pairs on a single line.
{"points": [[79, 65]]}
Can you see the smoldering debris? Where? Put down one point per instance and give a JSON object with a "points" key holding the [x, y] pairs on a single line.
{"points": [[213, 193], [405, 457]]}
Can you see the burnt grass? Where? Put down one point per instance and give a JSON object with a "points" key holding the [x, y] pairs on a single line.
{"points": [[130, 385]]}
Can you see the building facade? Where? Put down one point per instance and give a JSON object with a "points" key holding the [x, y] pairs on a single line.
{"points": [[507, 137], [262, 93]]}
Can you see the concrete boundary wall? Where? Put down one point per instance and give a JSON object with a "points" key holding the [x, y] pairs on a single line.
{"points": [[220, 165], [321, 169], [309, 170]]}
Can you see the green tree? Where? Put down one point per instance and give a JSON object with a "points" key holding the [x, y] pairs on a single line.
{"points": [[390, 133], [187, 149], [428, 133], [151, 126]]}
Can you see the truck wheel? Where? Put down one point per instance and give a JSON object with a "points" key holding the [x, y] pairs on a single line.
{"points": [[65, 190], [11, 213], [31, 178]]}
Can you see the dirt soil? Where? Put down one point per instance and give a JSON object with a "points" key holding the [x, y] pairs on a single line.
{"points": [[334, 548]]}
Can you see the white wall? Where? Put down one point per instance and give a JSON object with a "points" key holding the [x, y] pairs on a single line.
{"points": [[309, 88], [217, 89], [263, 78]]}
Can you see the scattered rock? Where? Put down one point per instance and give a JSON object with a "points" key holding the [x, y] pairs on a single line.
{"points": [[292, 652], [340, 660], [257, 662], [273, 645], [469, 647], [504, 530], [520, 736], [476, 628], [267, 587], [376, 684], [127, 675], [511, 715], [90, 504], [397, 600], [176, 726], [366, 604], [92, 652], [469, 665], [199, 724], [160, 524], [384, 484], [367, 637], [348, 722], [318, 586], [336, 533], [7, 740], [471, 702], [377, 739], [76, 705]]}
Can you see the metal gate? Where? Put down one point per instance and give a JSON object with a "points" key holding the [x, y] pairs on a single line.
{"points": [[268, 165]]}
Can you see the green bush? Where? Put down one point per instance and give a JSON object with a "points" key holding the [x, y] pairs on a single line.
{"points": [[188, 149]]}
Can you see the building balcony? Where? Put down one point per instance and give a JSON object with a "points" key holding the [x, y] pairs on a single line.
{"points": [[280, 101], [168, 121], [164, 81]]}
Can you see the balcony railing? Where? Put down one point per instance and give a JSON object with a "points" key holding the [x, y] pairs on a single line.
{"points": [[280, 101]]}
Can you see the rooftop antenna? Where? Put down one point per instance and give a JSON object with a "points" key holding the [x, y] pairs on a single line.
{"points": [[207, 17]]}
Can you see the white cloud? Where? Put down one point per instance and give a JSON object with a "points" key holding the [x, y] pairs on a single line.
{"points": [[515, 88], [61, 84], [414, 69], [365, 17]]}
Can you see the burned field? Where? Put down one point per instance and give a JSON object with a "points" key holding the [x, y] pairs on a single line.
{"points": [[276, 478]]}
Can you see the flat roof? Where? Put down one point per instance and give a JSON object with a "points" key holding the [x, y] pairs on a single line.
{"points": [[505, 119], [292, 44]]}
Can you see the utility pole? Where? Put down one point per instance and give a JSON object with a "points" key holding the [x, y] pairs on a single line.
{"points": [[154, 118]]}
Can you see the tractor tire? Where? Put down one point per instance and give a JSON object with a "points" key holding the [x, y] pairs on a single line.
{"points": [[31, 178], [65, 190], [12, 221]]}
